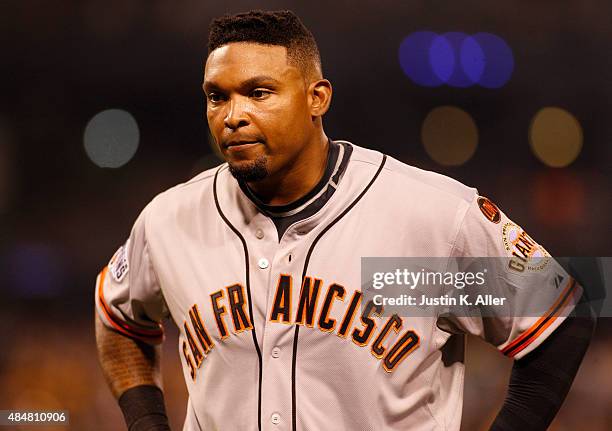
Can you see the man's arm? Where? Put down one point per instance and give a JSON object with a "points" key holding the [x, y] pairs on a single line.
{"points": [[133, 372], [540, 381]]}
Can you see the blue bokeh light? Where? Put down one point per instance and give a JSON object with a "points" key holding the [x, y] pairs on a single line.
{"points": [[456, 59], [457, 76], [499, 61], [472, 59], [414, 58], [442, 58]]}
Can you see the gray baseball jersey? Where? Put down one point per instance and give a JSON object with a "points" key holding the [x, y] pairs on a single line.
{"points": [[273, 332]]}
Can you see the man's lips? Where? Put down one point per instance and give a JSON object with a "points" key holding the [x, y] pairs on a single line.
{"points": [[242, 145]]}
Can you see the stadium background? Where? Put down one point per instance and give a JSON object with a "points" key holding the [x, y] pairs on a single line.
{"points": [[62, 216]]}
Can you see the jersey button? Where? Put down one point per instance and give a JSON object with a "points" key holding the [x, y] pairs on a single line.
{"points": [[263, 263], [259, 233], [276, 352], [275, 418]]}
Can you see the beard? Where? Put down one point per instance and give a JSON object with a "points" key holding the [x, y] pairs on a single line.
{"points": [[251, 171]]}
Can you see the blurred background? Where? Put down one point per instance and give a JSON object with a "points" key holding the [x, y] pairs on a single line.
{"points": [[101, 108]]}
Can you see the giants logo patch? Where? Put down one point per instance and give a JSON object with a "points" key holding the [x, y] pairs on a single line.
{"points": [[525, 252]]}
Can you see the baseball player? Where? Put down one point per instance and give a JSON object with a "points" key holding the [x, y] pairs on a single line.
{"points": [[258, 261]]}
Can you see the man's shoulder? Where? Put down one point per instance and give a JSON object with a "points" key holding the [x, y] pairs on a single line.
{"points": [[413, 179], [184, 195]]}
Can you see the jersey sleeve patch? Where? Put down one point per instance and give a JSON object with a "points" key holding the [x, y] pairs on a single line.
{"points": [[119, 324], [119, 264], [489, 209], [526, 254]]}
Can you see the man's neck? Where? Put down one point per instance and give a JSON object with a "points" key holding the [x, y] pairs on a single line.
{"points": [[295, 180]]}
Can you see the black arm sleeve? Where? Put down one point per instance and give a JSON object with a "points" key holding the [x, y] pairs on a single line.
{"points": [[540, 381], [143, 409]]}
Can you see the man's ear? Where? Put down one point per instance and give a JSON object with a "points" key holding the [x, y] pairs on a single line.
{"points": [[319, 95]]}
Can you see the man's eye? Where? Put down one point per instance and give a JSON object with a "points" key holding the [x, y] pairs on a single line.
{"points": [[213, 97], [260, 94]]}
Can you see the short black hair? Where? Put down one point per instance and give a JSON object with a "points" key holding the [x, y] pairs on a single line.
{"points": [[282, 28]]}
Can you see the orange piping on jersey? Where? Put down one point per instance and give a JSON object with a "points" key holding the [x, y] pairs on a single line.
{"points": [[537, 334], [543, 322], [119, 324]]}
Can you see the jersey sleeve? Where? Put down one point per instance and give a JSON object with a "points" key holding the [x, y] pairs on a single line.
{"points": [[541, 294], [128, 297]]}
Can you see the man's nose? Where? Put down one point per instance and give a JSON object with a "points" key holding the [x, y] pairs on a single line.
{"points": [[235, 116]]}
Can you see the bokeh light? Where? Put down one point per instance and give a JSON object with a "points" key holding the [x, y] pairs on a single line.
{"points": [[555, 136], [111, 138], [456, 59], [414, 58], [472, 59], [449, 135], [447, 59], [442, 58], [558, 198], [498, 60]]}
